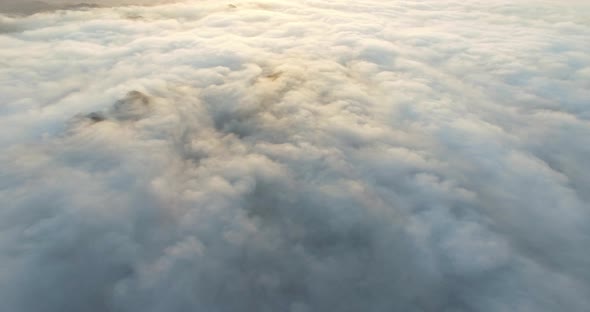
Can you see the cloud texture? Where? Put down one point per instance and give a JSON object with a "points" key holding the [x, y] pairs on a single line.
{"points": [[296, 156]]}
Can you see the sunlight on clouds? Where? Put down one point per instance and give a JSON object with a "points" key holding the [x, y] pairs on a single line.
{"points": [[295, 156]]}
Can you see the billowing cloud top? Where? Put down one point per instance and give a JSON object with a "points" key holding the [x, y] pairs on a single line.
{"points": [[295, 156]]}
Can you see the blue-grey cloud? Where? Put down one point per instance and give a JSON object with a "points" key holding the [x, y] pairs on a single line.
{"points": [[296, 156]]}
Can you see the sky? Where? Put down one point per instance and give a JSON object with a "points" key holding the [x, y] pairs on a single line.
{"points": [[299, 156]]}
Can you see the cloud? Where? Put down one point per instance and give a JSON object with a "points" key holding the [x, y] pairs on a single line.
{"points": [[287, 156]]}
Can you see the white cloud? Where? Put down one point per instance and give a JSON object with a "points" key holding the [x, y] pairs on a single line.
{"points": [[296, 156]]}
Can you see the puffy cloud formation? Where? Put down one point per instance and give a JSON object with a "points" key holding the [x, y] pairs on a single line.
{"points": [[296, 156]]}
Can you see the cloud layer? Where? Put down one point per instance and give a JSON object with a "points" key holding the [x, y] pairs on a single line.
{"points": [[296, 156], [25, 7]]}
